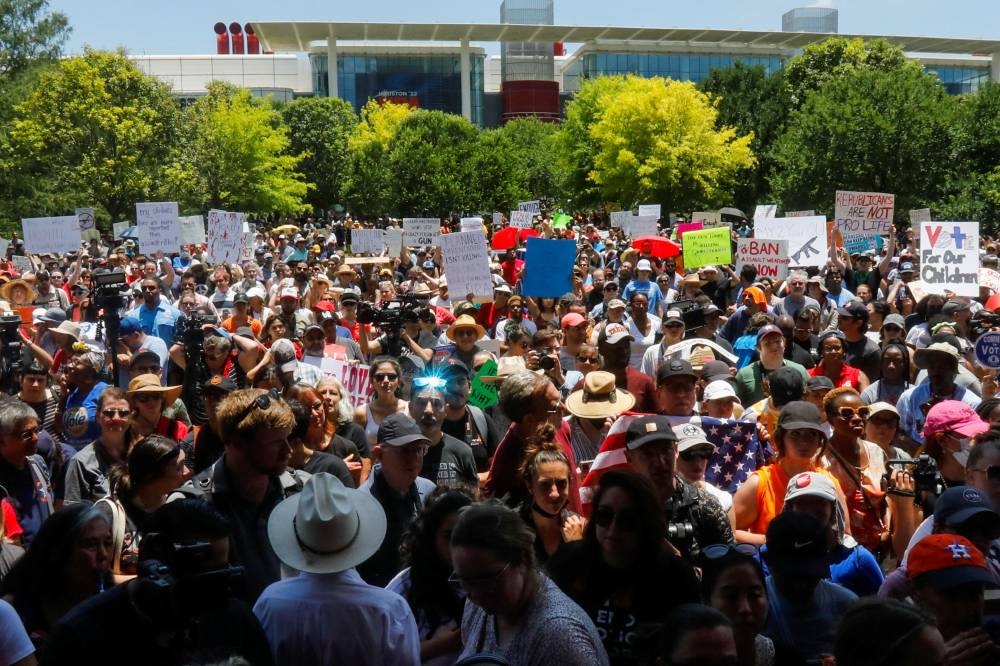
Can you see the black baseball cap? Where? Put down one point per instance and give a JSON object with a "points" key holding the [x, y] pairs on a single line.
{"points": [[674, 367], [962, 503], [854, 310], [800, 415], [241, 298], [715, 370], [819, 383], [452, 367], [797, 545], [399, 430], [646, 429], [787, 385], [219, 383], [144, 357], [349, 296]]}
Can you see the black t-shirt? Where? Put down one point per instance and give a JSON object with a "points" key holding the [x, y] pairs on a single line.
{"points": [[866, 356], [798, 354], [106, 629], [341, 447], [449, 462], [331, 464], [484, 444], [356, 434]]}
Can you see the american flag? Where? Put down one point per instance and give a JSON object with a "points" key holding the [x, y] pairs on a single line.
{"points": [[738, 452]]}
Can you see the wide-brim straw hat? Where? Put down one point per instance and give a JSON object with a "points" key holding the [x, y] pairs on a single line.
{"points": [[599, 398], [151, 384], [6, 290], [466, 321]]}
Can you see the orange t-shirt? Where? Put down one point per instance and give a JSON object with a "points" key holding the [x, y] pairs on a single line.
{"points": [[254, 324], [771, 489]]}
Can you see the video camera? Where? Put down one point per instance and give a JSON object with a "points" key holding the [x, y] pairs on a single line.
{"points": [[928, 484], [691, 313], [392, 314], [983, 322], [10, 351], [111, 291]]}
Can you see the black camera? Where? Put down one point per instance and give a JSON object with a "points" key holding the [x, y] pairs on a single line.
{"points": [[546, 362], [928, 484], [692, 314], [10, 350], [189, 331], [392, 314], [111, 291], [983, 322]]}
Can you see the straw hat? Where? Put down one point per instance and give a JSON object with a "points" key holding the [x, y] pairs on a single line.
{"points": [[151, 384], [327, 527], [465, 321], [506, 366], [599, 398], [693, 280], [5, 291]]}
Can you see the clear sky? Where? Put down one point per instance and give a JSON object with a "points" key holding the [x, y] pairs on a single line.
{"points": [[185, 26]]}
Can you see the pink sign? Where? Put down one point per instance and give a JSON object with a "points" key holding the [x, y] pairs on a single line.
{"points": [[684, 227]]}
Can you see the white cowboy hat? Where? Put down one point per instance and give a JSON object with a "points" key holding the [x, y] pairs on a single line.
{"points": [[327, 527]]}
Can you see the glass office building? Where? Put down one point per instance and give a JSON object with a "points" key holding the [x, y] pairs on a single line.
{"points": [[679, 66], [810, 19], [958, 80], [423, 80]]}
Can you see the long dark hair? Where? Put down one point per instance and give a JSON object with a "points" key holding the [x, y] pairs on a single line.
{"points": [[905, 351], [429, 591]]}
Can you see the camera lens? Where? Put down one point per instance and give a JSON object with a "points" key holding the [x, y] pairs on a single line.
{"points": [[546, 363]]}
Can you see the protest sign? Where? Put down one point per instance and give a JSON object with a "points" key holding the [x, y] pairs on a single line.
{"points": [[708, 219], [88, 223], [467, 265], [684, 227], [4, 244], [650, 210], [642, 226], [561, 220], [421, 231], [548, 268], [769, 257], [484, 395], [707, 247], [807, 239], [859, 243], [157, 226], [225, 236], [521, 219], [246, 251], [918, 215], [192, 230], [800, 213], [988, 349], [367, 241], [620, 219], [357, 379], [22, 264], [51, 234], [534, 207], [949, 257], [988, 278], [864, 213], [497, 219], [118, 228], [472, 224], [362, 261], [765, 211], [394, 240]]}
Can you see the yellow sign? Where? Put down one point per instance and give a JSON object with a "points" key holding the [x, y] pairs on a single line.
{"points": [[707, 247]]}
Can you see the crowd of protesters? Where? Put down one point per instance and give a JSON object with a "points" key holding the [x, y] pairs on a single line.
{"points": [[203, 489]]}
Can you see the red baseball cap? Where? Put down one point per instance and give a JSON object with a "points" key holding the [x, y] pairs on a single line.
{"points": [[572, 320], [325, 306], [946, 561], [993, 303], [954, 416]]}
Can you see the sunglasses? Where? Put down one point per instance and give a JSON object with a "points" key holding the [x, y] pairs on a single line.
{"points": [[691, 456], [262, 402], [627, 520], [719, 550], [992, 472], [848, 413], [586, 359], [385, 376], [111, 413], [146, 397]]}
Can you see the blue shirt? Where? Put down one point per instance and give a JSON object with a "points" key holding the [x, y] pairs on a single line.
{"points": [[651, 290], [80, 417], [911, 418], [159, 321]]}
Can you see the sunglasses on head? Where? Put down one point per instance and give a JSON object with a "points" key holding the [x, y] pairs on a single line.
{"points": [[627, 520]]}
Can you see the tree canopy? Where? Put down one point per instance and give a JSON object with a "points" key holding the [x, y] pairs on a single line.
{"points": [[29, 33], [318, 130]]}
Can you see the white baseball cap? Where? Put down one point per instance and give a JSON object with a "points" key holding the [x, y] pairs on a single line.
{"points": [[720, 389], [643, 265]]}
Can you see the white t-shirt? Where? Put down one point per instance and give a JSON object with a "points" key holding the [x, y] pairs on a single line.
{"points": [[14, 642]]}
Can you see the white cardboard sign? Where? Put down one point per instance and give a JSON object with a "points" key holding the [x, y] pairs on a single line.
{"points": [[534, 207], [43, 235], [88, 223], [640, 226], [467, 264], [421, 231], [709, 220], [769, 257], [521, 219], [367, 241], [620, 219], [650, 210], [806, 237], [765, 211], [918, 215], [225, 236], [192, 230], [158, 226], [800, 213], [949, 257], [472, 223], [864, 213]]}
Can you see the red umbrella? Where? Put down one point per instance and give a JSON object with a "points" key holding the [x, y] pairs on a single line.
{"points": [[508, 237], [657, 246]]}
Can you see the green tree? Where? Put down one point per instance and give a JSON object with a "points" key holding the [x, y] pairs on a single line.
{"points": [[429, 159], [753, 103], [234, 154], [867, 130], [319, 129], [818, 63], [368, 182], [654, 140], [95, 130], [534, 144], [497, 173], [29, 33]]}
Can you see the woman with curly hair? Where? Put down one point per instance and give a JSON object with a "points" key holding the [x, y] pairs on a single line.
{"points": [[436, 605]]}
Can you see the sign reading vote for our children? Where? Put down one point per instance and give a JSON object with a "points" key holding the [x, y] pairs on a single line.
{"points": [[949, 257], [864, 213]]}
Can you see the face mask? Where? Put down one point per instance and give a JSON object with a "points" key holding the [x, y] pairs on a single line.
{"points": [[962, 455]]}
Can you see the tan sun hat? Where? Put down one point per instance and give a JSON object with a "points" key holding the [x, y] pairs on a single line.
{"points": [[466, 321], [147, 383], [599, 398]]}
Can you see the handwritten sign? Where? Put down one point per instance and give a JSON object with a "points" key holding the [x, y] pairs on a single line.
{"points": [[118, 228], [192, 230], [769, 257], [807, 240], [22, 264], [481, 394], [765, 211], [421, 231], [472, 224], [640, 226], [620, 219], [709, 220], [365, 241], [394, 239], [158, 227], [988, 278], [800, 213], [357, 379], [650, 210], [707, 247], [919, 215], [51, 234], [497, 219], [949, 257], [548, 267], [521, 219], [864, 213], [466, 263], [534, 207], [225, 236], [88, 223]]}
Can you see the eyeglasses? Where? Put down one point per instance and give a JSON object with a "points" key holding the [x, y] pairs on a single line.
{"points": [[719, 550], [111, 413], [832, 349], [385, 376], [992, 472], [28, 433], [691, 456], [848, 413], [626, 520], [586, 359], [480, 584], [610, 287], [463, 332], [146, 397]]}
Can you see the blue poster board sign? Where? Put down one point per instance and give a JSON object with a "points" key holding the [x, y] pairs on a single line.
{"points": [[548, 269], [988, 349]]}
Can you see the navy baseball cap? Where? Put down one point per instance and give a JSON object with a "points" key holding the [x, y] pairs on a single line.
{"points": [[962, 503]]}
